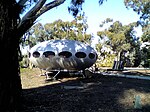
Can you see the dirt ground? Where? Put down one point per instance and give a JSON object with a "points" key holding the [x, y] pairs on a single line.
{"points": [[98, 93]]}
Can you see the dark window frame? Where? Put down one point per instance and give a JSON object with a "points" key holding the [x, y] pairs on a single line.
{"points": [[36, 54], [80, 54], [49, 54], [92, 55], [65, 54]]}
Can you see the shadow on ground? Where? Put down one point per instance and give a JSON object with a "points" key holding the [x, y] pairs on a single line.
{"points": [[96, 94]]}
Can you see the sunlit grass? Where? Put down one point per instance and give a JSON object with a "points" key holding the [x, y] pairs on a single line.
{"points": [[128, 98], [31, 78]]}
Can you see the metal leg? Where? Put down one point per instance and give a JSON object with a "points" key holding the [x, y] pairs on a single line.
{"points": [[47, 76], [83, 73], [56, 75]]}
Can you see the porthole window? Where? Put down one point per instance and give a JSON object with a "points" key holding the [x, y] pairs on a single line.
{"points": [[65, 54], [91, 56], [49, 54], [36, 54], [80, 55]]}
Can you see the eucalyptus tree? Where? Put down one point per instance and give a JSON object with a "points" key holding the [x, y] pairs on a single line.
{"points": [[39, 32], [60, 30], [73, 30], [80, 24], [120, 38], [141, 7], [146, 34]]}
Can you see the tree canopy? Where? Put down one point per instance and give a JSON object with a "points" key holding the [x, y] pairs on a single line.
{"points": [[73, 30], [120, 38], [141, 7]]}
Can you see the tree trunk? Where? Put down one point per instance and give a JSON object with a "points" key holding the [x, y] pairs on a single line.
{"points": [[10, 83], [118, 62]]}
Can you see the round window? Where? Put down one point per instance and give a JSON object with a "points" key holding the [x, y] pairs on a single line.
{"points": [[65, 54], [36, 54], [49, 54], [91, 56], [80, 55]]}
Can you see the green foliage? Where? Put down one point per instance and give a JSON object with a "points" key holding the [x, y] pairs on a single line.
{"points": [[121, 39], [106, 62], [99, 47], [146, 34], [105, 58], [106, 21], [134, 58], [141, 7], [74, 30], [25, 62], [76, 6], [145, 61]]}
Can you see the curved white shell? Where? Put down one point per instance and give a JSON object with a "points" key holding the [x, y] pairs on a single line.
{"points": [[57, 62]]}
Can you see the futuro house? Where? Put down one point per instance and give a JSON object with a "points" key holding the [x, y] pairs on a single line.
{"points": [[62, 55]]}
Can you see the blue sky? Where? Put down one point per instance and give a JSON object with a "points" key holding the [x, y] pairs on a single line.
{"points": [[95, 13], [114, 9]]}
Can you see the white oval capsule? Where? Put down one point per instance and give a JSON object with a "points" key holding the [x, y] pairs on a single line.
{"points": [[62, 55]]}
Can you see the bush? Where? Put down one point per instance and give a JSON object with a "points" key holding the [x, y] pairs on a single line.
{"points": [[106, 62]]}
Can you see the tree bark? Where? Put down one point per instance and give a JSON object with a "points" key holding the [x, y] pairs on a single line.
{"points": [[118, 62], [10, 83]]}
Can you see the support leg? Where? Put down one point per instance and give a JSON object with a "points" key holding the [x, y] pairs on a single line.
{"points": [[54, 78]]}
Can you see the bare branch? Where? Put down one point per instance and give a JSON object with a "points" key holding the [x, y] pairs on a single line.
{"points": [[50, 6], [29, 19], [31, 14]]}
